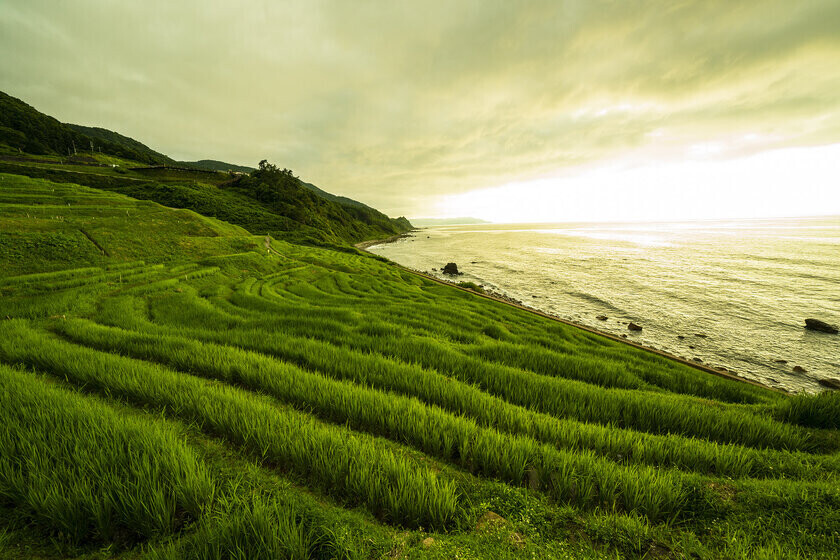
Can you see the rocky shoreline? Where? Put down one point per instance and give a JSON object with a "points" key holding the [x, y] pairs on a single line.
{"points": [[449, 274], [506, 299], [364, 245]]}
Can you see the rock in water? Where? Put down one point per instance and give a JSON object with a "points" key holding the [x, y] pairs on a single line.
{"points": [[601, 317], [820, 326], [451, 269], [799, 369], [634, 327], [830, 383]]}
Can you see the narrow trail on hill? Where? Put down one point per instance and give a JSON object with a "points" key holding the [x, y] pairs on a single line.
{"points": [[96, 244], [77, 172]]}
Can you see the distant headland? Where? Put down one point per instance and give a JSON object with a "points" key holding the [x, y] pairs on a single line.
{"points": [[447, 221]]}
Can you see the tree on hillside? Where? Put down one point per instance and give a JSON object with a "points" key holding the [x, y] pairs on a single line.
{"points": [[269, 169]]}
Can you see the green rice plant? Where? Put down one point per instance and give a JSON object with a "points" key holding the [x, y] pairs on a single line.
{"points": [[652, 369], [33, 306], [805, 515], [650, 412], [200, 273], [430, 429], [125, 265], [151, 287], [705, 458], [263, 527], [608, 368], [620, 445], [81, 470], [814, 411], [119, 275], [603, 374], [38, 278], [656, 370], [494, 330], [179, 269], [258, 530], [352, 466]]}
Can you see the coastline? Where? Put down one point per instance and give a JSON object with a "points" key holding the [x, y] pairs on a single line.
{"points": [[364, 245]]}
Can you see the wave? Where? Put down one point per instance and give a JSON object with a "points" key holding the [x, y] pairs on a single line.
{"points": [[595, 299]]}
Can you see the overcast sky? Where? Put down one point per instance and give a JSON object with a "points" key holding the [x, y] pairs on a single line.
{"points": [[438, 108]]}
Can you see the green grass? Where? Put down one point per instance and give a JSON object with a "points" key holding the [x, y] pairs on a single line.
{"points": [[821, 411], [82, 471], [267, 202], [430, 429], [50, 227], [172, 391], [263, 528], [358, 469], [624, 445]]}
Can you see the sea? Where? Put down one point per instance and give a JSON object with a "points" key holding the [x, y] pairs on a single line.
{"points": [[731, 294]]}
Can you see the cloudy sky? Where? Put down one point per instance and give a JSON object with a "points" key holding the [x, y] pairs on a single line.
{"points": [[542, 110]]}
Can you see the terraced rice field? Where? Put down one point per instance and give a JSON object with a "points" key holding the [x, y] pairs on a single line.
{"points": [[309, 403]]}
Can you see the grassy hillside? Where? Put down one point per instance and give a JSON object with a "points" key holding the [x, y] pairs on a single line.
{"points": [[215, 165], [266, 203], [130, 148], [46, 226], [172, 389], [24, 128]]}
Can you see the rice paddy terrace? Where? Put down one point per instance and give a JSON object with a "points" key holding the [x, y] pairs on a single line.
{"points": [[169, 388]]}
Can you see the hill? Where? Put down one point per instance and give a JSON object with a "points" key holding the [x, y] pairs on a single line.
{"points": [[268, 202], [131, 147], [343, 200], [46, 226], [214, 165], [298, 211], [356, 209], [24, 128], [360, 210], [169, 388]]}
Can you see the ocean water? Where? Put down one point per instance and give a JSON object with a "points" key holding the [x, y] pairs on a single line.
{"points": [[745, 287]]}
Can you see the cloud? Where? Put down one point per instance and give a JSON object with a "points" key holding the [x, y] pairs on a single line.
{"points": [[398, 104]]}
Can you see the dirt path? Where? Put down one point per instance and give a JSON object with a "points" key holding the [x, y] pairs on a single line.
{"points": [[57, 170], [92, 240]]}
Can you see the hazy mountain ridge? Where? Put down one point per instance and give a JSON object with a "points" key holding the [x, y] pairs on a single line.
{"points": [[447, 221]]}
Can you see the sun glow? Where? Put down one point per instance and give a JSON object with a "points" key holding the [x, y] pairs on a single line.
{"points": [[786, 182]]}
